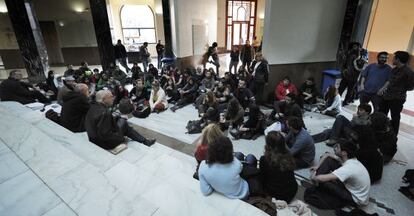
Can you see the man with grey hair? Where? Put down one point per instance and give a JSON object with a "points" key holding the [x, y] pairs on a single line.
{"points": [[68, 85], [13, 89], [102, 127], [74, 108]]}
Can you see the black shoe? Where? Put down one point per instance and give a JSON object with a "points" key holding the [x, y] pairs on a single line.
{"points": [[149, 142], [236, 135], [195, 175], [173, 109]]}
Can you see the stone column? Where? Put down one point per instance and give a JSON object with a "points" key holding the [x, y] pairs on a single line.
{"points": [[167, 29], [29, 37], [102, 32]]}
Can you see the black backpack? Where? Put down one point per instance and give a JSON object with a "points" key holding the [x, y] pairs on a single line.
{"points": [[194, 127], [142, 112]]}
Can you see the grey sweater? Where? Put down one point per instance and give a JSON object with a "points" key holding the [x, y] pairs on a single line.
{"points": [[301, 145]]}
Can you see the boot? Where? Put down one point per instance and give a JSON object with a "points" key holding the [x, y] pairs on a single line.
{"points": [[149, 142]]}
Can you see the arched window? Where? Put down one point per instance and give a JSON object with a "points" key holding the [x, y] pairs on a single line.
{"points": [[138, 25]]}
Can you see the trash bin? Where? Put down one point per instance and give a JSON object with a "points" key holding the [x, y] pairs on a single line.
{"points": [[330, 77]]}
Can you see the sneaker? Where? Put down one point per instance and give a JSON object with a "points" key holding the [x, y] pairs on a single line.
{"points": [[331, 142], [118, 149], [149, 142], [173, 109]]}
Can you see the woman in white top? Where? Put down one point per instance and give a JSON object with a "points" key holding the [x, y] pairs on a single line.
{"points": [[333, 105], [158, 99]]}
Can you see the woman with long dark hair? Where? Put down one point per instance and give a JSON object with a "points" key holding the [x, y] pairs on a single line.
{"points": [[333, 105], [277, 168], [221, 171]]}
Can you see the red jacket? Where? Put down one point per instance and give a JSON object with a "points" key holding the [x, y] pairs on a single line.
{"points": [[201, 152], [281, 91]]}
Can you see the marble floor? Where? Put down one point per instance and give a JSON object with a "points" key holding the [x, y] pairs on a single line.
{"points": [[48, 170]]}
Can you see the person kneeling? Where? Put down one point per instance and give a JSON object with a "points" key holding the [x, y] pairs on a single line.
{"points": [[341, 179]]}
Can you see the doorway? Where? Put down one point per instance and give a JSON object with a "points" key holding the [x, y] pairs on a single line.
{"points": [[240, 22]]}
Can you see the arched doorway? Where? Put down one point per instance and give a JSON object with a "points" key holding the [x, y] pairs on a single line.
{"points": [[240, 21]]}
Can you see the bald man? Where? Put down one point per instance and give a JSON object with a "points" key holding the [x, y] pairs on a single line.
{"points": [[74, 108]]}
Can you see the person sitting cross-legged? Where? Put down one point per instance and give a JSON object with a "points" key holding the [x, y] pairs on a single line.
{"points": [[342, 127], [126, 108], [253, 127], [158, 100], [340, 179], [285, 109], [209, 135], [188, 94], [300, 143], [276, 168], [74, 109], [221, 171]]}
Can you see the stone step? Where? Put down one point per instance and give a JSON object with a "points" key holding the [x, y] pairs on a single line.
{"points": [[140, 181], [79, 184]]}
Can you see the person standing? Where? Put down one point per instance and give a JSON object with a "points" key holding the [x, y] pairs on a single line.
{"points": [[260, 75], [350, 73], [247, 54], [394, 92], [212, 51], [160, 52], [373, 78], [234, 59], [145, 55], [121, 55]]}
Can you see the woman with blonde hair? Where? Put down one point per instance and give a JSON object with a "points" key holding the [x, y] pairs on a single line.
{"points": [[209, 134]]}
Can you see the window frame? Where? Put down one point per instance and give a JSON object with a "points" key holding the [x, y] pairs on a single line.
{"points": [[138, 28]]}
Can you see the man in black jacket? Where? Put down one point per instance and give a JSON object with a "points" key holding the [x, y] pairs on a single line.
{"points": [[121, 55], [99, 123], [12, 89], [102, 127], [160, 52], [74, 109], [260, 75]]}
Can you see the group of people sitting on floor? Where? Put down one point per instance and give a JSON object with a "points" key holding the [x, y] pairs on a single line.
{"points": [[100, 104]]}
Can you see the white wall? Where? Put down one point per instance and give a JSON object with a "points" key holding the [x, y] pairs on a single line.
{"points": [[298, 31], [187, 13]]}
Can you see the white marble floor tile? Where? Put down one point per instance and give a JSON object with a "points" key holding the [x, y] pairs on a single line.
{"points": [[10, 164], [88, 192], [78, 145], [165, 166], [26, 195], [131, 180], [174, 200], [44, 155], [60, 210]]}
